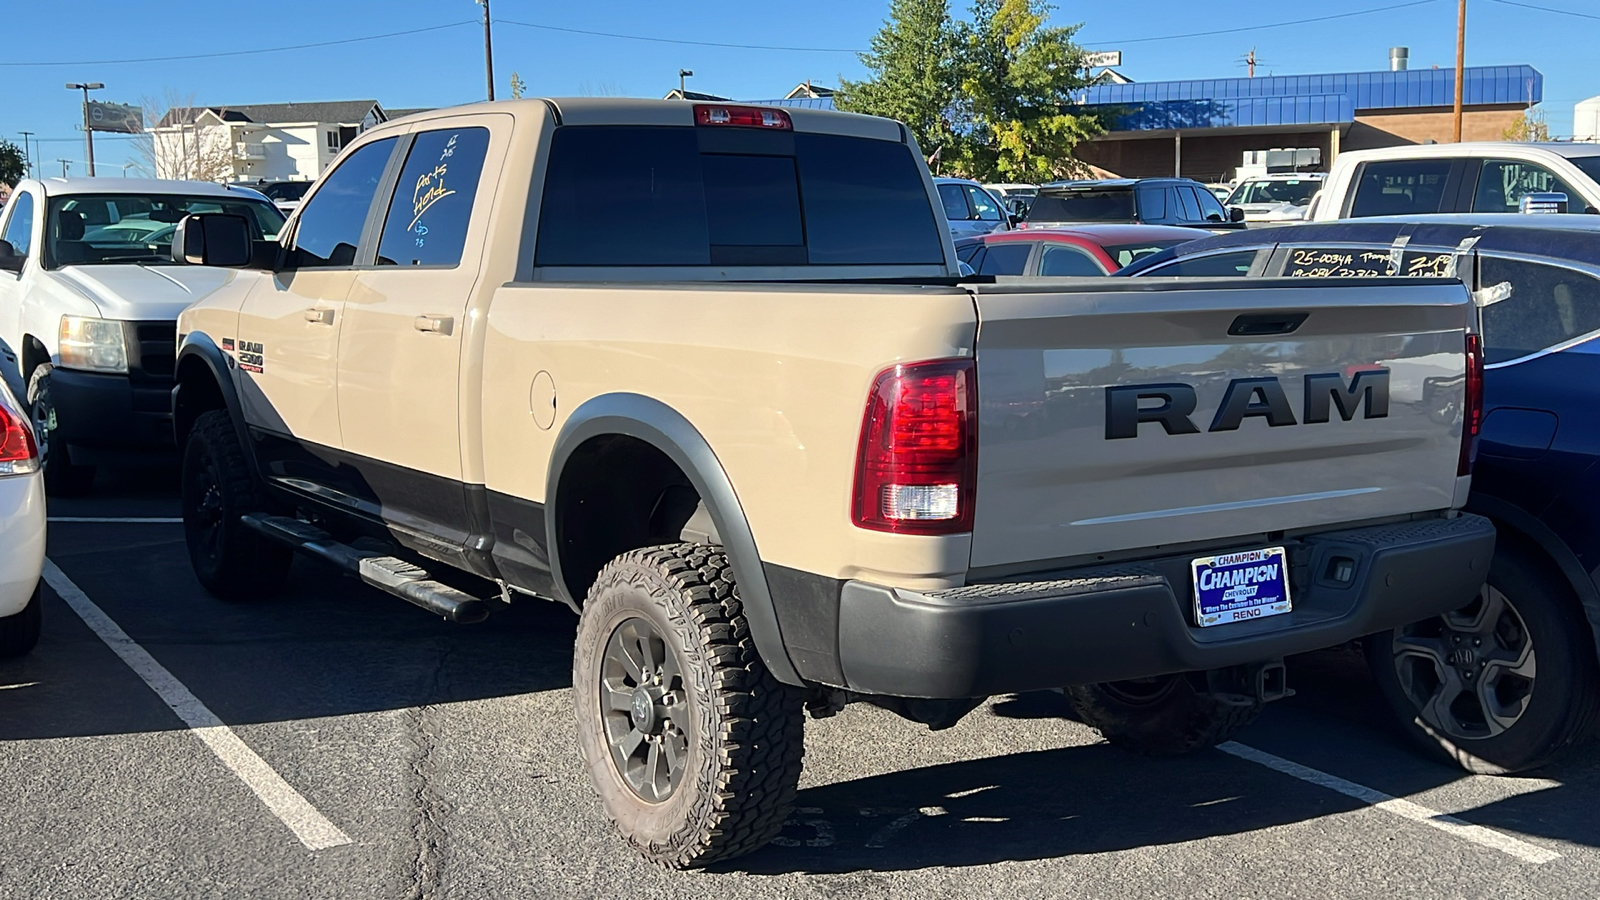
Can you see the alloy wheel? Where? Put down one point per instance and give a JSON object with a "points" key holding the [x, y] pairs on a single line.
{"points": [[1469, 673], [645, 707]]}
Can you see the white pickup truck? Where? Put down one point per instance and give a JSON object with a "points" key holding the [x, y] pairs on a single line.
{"points": [[89, 300], [707, 373]]}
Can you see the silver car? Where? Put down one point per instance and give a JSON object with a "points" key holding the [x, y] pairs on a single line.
{"points": [[970, 209]]}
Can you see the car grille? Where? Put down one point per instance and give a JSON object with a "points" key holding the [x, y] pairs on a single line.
{"points": [[152, 351]]}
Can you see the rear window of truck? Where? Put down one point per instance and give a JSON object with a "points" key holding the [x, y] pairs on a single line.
{"points": [[674, 196]]}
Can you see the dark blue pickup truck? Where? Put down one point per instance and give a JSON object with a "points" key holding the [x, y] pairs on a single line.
{"points": [[1512, 680]]}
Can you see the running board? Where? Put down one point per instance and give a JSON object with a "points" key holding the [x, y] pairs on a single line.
{"points": [[395, 576]]}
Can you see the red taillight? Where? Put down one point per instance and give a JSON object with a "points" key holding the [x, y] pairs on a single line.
{"points": [[18, 452], [1472, 412], [917, 467], [743, 116]]}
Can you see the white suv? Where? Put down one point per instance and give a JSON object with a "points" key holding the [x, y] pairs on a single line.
{"points": [[1479, 177]]}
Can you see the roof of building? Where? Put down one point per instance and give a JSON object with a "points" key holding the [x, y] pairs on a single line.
{"points": [[341, 112], [798, 102], [400, 112], [1327, 99], [676, 94], [807, 90]]}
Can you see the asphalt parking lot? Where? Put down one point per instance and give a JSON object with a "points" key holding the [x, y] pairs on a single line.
{"points": [[357, 747]]}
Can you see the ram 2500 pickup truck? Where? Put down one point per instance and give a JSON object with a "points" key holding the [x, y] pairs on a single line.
{"points": [[708, 374]]}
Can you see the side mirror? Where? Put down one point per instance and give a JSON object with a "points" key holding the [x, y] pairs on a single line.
{"points": [[1013, 220], [212, 239], [9, 260], [1235, 214], [1543, 202]]}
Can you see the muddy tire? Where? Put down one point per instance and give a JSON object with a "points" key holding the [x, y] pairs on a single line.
{"points": [[19, 632], [693, 746], [231, 561], [62, 477], [1165, 716], [1507, 683]]}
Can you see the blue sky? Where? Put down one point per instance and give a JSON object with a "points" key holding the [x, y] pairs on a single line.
{"points": [[445, 66]]}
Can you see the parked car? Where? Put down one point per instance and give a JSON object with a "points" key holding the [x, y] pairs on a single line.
{"points": [[89, 300], [1276, 199], [1084, 250], [1219, 190], [1511, 680], [1147, 201], [22, 528], [1474, 177], [970, 209], [285, 194], [1016, 197], [745, 440]]}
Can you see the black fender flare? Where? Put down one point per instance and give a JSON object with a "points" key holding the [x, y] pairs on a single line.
{"points": [[220, 365], [1528, 526], [664, 428]]}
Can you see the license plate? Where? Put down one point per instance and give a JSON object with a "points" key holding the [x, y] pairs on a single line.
{"points": [[1238, 587]]}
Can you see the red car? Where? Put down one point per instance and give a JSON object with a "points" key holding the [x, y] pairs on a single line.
{"points": [[1067, 251]]}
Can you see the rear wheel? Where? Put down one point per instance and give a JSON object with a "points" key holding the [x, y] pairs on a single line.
{"points": [[1164, 716], [62, 478], [19, 633], [1504, 684], [231, 561], [693, 746]]}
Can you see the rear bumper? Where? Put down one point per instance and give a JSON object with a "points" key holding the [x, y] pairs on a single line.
{"points": [[1136, 620], [22, 533], [111, 419]]}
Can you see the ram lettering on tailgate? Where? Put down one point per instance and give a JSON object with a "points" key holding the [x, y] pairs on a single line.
{"points": [[1128, 407]]}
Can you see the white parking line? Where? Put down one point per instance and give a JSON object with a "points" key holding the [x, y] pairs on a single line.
{"points": [[126, 520], [1529, 853], [310, 826]]}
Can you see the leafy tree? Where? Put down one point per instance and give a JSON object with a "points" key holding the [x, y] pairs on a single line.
{"points": [[1017, 80], [12, 169], [1530, 126], [915, 61]]}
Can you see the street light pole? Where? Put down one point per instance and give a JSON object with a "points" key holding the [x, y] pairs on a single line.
{"points": [[1461, 60], [488, 48], [27, 155], [64, 164], [88, 133], [682, 74]]}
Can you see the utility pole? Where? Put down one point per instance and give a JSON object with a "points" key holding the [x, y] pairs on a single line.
{"points": [[682, 74], [27, 155], [488, 48], [88, 133], [64, 164], [1461, 60]]}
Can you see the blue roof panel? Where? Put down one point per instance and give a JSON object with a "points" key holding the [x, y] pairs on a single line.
{"points": [[1483, 85]]}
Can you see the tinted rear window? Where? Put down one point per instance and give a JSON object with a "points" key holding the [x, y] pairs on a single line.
{"points": [[1401, 187], [673, 196], [1115, 205]]}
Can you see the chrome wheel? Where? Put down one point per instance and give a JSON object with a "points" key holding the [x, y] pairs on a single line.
{"points": [[645, 708], [1469, 673]]}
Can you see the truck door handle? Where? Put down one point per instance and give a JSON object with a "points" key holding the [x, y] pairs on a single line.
{"points": [[435, 324], [318, 316], [1258, 324]]}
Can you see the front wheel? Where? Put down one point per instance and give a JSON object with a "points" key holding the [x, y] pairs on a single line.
{"points": [[1506, 683], [231, 561], [62, 477], [693, 746], [1164, 716]]}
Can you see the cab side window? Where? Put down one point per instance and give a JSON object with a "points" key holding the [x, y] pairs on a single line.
{"points": [[1232, 264], [1210, 209], [19, 227], [1502, 183], [1191, 206], [1401, 187], [985, 209], [1549, 305], [1152, 204], [330, 223], [955, 202], [432, 205], [1066, 260]]}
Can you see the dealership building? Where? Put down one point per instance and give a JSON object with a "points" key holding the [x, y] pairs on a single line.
{"points": [[1203, 128]]}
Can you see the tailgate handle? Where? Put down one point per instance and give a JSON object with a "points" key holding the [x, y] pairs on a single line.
{"points": [[1257, 324]]}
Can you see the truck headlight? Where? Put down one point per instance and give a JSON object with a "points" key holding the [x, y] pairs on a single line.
{"points": [[94, 345]]}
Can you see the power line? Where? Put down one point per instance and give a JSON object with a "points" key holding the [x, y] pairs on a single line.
{"points": [[1548, 9], [656, 40], [150, 59], [1195, 34]]}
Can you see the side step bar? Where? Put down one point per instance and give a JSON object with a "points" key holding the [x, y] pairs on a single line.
{"points": [[386, 573]]}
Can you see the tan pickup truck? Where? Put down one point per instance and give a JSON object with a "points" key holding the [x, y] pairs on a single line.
{"points": [[709, 374]]}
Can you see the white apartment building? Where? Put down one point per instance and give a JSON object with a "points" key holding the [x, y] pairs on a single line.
{"points": [[266, 141]]}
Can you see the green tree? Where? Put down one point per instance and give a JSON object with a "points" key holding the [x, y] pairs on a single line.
{"points": [[1018, 75], [12, 169], [1530, 126], [915, 61]]}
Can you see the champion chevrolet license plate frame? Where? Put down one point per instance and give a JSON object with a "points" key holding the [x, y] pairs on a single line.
{"points": [[1258, 581]]}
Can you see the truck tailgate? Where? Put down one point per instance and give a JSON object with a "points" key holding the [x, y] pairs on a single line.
{"points": [[1124, 415]]}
